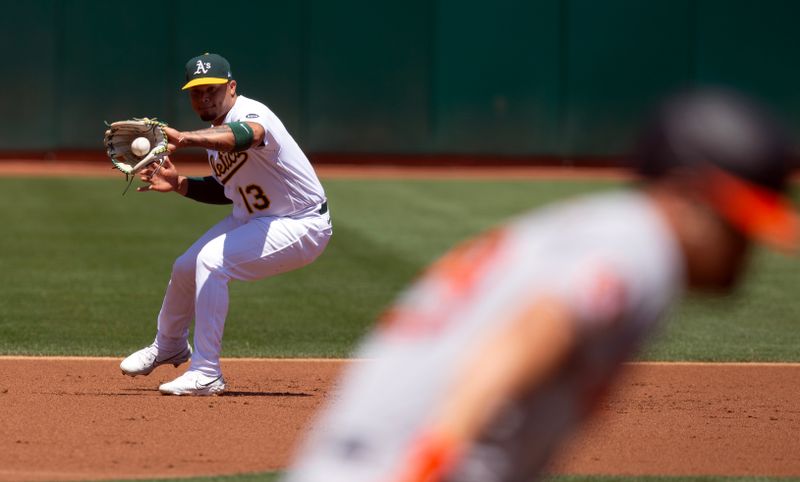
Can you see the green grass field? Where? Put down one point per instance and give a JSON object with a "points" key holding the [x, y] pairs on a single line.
{"points": [[85, 268], [83, 272]]}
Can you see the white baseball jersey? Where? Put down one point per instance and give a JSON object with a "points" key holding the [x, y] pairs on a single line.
{"points": [[610, 257], [273, 179], [279, 223]]}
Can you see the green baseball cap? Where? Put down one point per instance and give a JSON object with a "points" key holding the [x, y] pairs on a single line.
{"points": [[207, 69]]}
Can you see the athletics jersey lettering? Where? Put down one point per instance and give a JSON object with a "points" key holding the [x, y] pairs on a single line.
{"points": [[225, 164], [273, 178]]}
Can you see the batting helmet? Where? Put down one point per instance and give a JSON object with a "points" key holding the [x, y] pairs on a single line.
{"points": [[733, 144]]}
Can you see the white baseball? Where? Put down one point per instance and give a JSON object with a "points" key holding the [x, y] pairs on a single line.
{"points": [[140, 146]]}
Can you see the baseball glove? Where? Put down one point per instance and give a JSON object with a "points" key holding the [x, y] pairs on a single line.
{"points": [[118, 140]]}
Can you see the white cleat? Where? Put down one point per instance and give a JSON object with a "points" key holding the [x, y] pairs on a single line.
{"points": [[194, 383], [147, 359]]}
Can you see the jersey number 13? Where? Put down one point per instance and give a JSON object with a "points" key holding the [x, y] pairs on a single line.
{"points": [[254, 198]]}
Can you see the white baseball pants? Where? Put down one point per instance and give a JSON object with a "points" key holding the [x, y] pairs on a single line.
{"points": [[240, 249]]}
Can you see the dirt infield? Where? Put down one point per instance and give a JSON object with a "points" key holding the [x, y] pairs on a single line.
{"points": [[80, 419]]}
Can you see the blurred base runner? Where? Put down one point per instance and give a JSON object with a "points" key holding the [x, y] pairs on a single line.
{"points": [[496, 354]]}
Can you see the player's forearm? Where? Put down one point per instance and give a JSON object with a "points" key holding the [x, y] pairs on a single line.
{"points": [[520, 357], [218, 138], [235, 136]]}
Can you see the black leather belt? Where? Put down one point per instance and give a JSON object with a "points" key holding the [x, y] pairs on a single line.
{"points": [[323, 208]]}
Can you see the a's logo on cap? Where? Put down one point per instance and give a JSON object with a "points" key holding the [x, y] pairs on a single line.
{"points": [[202, 68]]}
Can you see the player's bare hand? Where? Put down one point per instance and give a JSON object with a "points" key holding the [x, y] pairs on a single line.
{"points": [[161, 179], [175, 139]]}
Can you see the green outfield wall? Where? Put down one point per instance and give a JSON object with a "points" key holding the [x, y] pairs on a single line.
{"points": [[521, 77]]}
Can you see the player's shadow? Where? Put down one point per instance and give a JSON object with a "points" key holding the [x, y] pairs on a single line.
{"points": [[230, 393], [235, 393]]}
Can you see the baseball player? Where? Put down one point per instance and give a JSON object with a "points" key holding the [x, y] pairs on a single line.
{"points": [[280, 222], [505, 344]]}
